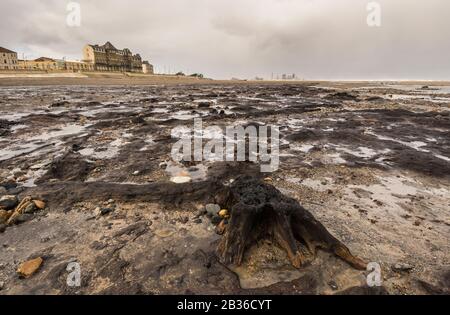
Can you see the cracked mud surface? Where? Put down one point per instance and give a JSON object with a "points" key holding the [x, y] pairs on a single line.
{"points": [[370, 161]]}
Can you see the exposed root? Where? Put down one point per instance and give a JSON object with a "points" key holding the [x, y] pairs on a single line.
{"points": [[259, 210]]}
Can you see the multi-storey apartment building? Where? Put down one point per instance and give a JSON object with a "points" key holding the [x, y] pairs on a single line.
{"points": [[109, 58], [8, 59]]}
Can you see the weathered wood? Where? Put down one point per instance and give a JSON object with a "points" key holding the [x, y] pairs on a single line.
{"points": [[258, 210]]}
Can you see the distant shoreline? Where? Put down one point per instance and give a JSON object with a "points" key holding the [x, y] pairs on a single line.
{"points": [[105, 78]]}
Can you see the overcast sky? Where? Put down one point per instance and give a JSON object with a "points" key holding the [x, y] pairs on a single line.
{"points": [[316, 39]]}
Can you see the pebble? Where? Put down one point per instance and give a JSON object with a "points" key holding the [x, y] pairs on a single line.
{"points": [[8, 202], [333, 285], [180, 179], [39, 204], [22, 218], [136, 173], [220, 229], [402, 267], [212, 209], [28, 268], [2, 228], [224, 214], [216, 220], [30, 208]]}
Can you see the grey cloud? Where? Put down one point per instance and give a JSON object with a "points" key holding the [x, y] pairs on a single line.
{"points": [[317, 39]]}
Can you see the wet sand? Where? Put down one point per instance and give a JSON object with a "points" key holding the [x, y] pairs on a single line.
{"points": [[371, 161]]}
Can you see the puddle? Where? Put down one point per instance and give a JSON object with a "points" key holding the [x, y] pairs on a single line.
{"points": [[104, 152], [416, 145]]}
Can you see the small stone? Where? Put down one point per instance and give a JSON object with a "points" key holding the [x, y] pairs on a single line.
{"points": [[136, 173], [180, 179], [333, 285], [110, 201], [30, 208], [224, 213], [3, 191], [220, 229], [105, 211], [39, 204], [2, 228], [28, 268], [8, 202], [197, 221], [268, 179], [216, 220], [402, 267], [212, 209], [98, 211], [22, 218], [417, 222]]}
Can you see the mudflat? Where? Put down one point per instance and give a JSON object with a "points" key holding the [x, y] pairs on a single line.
{"points": [[370, 161]]}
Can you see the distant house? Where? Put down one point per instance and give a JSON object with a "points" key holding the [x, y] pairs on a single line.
{"points": [[147, 67], [8, 59], [109, 58]]}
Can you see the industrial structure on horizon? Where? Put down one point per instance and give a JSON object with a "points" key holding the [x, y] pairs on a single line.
{"points": [[105, 58]]}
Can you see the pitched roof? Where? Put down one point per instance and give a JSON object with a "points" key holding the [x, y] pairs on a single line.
{"points": [[44, 59], [108, 45], [4, 50]]}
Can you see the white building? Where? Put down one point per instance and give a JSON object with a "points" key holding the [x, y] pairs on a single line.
{"points": [[8, 59]]}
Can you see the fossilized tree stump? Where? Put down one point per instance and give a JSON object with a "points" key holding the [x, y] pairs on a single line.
{"points": [[258, 210]]}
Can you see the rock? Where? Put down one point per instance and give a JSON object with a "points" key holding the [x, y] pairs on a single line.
{"points": [[224, 214], [180, 179], [212, 209], [2, 228], [3, 191], [402, 267], [22, 218], [102, 211], [30, 208], [220, 229], [4, 216], [39, 204], [204, 104], [8, 202], [333, 285], [197, 221], [216, 220], [28, 268], [268, 179], [98, 211], [136, 173]]}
